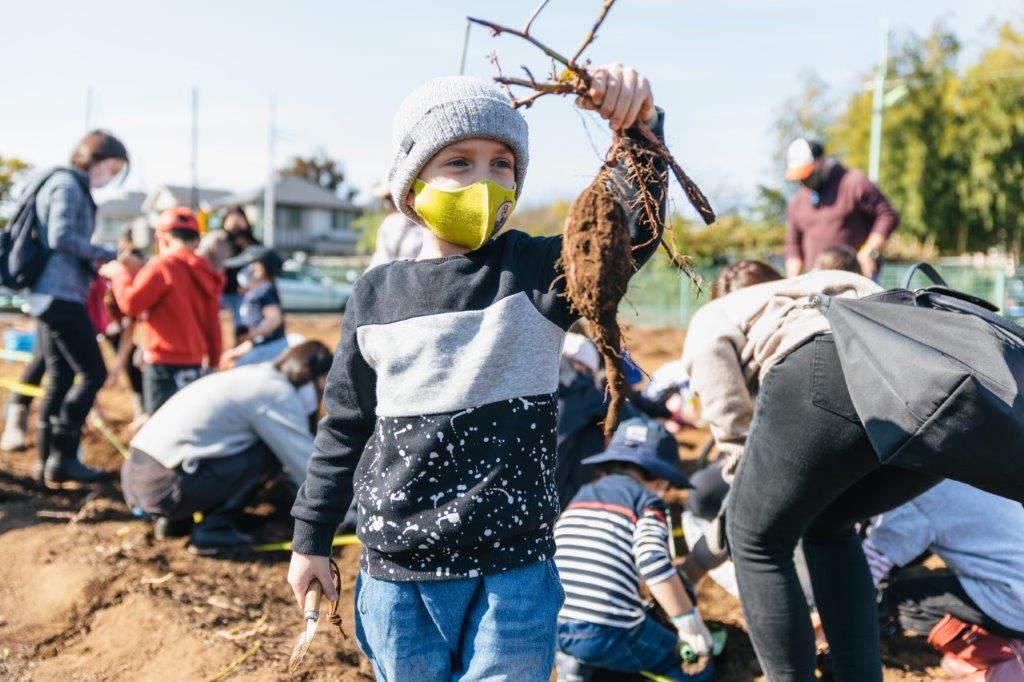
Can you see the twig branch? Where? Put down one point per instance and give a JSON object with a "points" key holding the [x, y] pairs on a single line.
{"points": [[498, 29], [529, 22], [593, 33], [693, 193]]}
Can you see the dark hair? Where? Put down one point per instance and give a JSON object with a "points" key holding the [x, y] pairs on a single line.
{"points": [[237, 210], [305, 362], [839, 257], [742, 274], [627, 468], [184, 235], [97, 146]]}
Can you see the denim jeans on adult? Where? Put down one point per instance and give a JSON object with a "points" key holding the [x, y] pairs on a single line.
{"points": [[264, 352], [493, 627], [920, 602], [809, 472], [649, 647], [69, 348], [160, 382]]}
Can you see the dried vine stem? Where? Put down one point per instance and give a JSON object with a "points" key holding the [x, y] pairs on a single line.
{"points": [[575, 80], [597, 256]]}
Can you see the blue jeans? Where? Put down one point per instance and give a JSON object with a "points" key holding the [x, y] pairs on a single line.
{"points": [[649, 647], [494, 627], [265, 352]]}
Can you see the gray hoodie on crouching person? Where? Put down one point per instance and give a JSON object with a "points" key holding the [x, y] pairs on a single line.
{"points": [[67, 217]]}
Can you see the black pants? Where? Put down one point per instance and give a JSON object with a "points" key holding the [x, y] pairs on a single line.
{"points": [[705, 499], [809, 472], [69, 348], [160, 382], [920, 601], [178, 494], [35, 370]]}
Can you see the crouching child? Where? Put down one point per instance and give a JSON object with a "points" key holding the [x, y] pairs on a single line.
{"points": [[613, 536], [441, 402]]}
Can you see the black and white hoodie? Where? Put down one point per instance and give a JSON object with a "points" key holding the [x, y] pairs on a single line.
{"points": [[441, 409]]}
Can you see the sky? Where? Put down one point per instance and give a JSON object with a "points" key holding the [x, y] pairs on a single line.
{"points": [[338, 70]]}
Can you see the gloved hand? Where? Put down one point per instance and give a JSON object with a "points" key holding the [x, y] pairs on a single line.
{"points": [[693, 632]]}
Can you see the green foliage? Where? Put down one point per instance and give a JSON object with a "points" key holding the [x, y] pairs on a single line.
{"points": [[11, 171], [366, 225], [953, 145]]}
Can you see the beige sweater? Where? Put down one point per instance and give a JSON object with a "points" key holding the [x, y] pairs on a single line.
{"points": [[733, 341]]}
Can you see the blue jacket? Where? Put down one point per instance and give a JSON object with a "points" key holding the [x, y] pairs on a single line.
{"points": [[67, 217]]}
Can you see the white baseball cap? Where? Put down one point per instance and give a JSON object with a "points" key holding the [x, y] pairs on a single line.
{"points": [[581, 349], [800, 158]]}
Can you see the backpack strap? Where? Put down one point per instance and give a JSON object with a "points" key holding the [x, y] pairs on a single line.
{"points": [[943, 301], [927, 270]]}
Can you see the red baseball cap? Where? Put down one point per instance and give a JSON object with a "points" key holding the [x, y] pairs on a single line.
{"points": [[178, 218]]}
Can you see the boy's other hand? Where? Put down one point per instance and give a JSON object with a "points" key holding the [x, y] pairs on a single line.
{"points": [[303, 569], [110, 270], [622, 95]]}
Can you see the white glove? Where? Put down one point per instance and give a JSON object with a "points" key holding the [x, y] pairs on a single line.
{"points": [[693, 632]]}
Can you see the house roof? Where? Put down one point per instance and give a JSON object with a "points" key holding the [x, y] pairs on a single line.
{"points": [[181, 195], [290, 190], [122, 204]]}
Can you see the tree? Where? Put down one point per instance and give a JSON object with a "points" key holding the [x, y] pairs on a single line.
{"points": [[319, 168], [12, 169]]}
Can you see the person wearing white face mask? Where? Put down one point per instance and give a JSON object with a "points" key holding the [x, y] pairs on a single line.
{"points": [[209, 447], [67, 218], [260, 311]]}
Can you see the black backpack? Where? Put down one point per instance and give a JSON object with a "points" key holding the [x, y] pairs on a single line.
{"points": [[23, 250], [937, 379]]}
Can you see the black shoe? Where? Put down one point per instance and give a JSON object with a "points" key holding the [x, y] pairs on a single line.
{"points": [[63, 465], [217, 535], [43, 436], [165, 528]]}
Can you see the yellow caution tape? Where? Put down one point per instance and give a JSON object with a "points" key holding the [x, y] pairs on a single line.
{"points": [[30, 390], [339, 541]]}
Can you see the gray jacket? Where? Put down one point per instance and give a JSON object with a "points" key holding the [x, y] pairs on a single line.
{"points": [[67, 216], [223, 414]]}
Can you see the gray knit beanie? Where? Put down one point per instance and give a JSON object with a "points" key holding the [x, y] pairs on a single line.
{"points": [[445, 110]]}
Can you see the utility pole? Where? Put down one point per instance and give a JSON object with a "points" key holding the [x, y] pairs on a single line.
{"points": [[195, 149], [268, 192], [878, 104]]}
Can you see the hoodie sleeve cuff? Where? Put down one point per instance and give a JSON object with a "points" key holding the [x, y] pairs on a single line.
{"points": [[312, 538]]}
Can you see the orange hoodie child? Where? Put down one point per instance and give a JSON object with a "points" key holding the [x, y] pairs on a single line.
{"points": [[176, 298]]}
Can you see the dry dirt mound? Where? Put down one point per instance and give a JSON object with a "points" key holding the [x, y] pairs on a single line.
{"points": [[86, 593]]}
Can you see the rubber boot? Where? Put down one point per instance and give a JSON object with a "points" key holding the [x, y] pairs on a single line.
{"points": [[44, 432], [14, 437], [63, 465], [216, 533], [165, 528]]}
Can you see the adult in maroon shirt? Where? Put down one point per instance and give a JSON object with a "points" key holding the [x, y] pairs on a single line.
{"points": [[836, 206]]}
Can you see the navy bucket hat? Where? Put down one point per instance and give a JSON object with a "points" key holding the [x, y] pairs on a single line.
{"points": [[647, 445]]}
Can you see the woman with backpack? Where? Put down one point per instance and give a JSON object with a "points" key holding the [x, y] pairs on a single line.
{"points": [[66, 215], [801, 467]]}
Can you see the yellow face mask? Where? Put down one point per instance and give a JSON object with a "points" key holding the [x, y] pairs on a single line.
{"points": [[468, 216]]}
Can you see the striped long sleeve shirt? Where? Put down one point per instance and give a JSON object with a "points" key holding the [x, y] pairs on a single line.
{"points": [[614, 533]]}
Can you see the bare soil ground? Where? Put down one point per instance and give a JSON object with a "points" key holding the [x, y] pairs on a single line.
{"points": [[87, 593]]}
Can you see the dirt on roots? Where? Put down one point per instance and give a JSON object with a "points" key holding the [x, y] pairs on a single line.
{"points": [[87, 593]]}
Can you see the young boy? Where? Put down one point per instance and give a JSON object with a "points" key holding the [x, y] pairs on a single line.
{"points": [[260, 310], [614, 534], [176, 298], [441, 401]]}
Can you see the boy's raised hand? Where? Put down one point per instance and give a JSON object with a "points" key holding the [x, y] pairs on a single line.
{"points": [[622, 95]]}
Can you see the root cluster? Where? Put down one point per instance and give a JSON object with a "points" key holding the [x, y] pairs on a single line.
{"points": [[597, 257]]}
